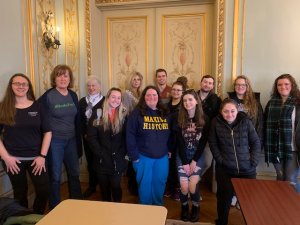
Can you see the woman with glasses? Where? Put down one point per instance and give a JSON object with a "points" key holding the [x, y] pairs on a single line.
{"points": [[235, 146], [178, 87], [248, 102], [191, 135], [26, 138], [63, 110], [106, 137], [172, 188], [147, 137], [282, 129]]}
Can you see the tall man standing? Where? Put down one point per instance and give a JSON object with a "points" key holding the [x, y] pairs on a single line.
{"points": [[161, 83], [210, 105]]}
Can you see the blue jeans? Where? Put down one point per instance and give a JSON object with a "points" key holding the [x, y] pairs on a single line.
{"points": [[151, 176], [295, 181], [63, 151], [181, 172], [288, 170]]}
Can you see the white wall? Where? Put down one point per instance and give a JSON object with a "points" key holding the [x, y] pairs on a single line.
{"points": [[12, 55], [272, 42], [271, 47]]}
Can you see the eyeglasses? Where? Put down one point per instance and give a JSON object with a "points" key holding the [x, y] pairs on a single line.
{"points": [[240, 85], [18, 84], [178, 90]]}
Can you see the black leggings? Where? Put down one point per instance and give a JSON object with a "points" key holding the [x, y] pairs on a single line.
{"points": [[110, 186], [20, 186], [225, 192]]}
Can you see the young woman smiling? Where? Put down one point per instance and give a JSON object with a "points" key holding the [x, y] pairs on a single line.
{"points": [[191, 135], [26, 139], [235, 146], [106, 137], [282, 129]]}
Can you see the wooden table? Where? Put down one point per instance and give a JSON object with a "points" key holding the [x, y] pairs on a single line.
{"points": [[267, 202], [81, 212]]}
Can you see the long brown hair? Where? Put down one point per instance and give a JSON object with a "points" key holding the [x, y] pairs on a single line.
{"points": [[183, 116], [120, 115], [250, 103], [8, 103], [295, 92]]}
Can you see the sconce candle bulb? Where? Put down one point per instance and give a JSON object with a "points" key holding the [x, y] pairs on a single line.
{"points": [[57, 32], [49, 36]]}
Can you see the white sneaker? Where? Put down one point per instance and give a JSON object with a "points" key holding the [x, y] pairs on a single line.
{"points": [[238, 206], [233, 201]]}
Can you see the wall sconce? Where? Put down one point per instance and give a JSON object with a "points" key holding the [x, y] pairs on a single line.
{"points": [[50, 37]]}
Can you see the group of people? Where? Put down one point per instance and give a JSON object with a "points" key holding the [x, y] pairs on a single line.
{"points": [[161, 135], [40, 136]]}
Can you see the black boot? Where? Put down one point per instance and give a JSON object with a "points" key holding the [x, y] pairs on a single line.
{"points": [[185, 212], [195, 214]]}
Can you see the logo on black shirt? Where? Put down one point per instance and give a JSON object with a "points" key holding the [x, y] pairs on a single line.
{"points": [[33, 114]]}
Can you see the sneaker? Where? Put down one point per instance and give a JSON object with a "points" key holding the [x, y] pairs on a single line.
{"points": [[238, 206], [233, 201]]}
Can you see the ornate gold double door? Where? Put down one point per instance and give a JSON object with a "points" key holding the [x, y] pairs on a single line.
{"points": [[179, 39]]}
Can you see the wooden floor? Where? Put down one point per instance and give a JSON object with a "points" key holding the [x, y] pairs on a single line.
{"points": [[207, 210]]}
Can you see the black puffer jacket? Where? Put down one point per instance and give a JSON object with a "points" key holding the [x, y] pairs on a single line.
{"points": [[235, 147], [258, 122], [109, 149]]}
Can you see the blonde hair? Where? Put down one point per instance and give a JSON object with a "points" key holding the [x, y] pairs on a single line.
{"points": [[250, 103], [120, 115], [138, 92]]}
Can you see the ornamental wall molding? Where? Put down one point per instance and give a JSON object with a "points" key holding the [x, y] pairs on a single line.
{"points": [[134, 4]]}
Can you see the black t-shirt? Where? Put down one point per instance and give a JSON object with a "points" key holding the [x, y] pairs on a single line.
{"points": [[24, 139]]}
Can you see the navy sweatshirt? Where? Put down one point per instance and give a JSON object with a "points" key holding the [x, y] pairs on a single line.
{"points": [[147, 135]]}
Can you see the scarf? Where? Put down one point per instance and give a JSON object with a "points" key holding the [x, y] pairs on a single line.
{"points": [[91, 101], [278, 130]]}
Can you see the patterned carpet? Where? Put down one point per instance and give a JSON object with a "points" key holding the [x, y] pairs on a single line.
{"points": [[180, 222]]}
